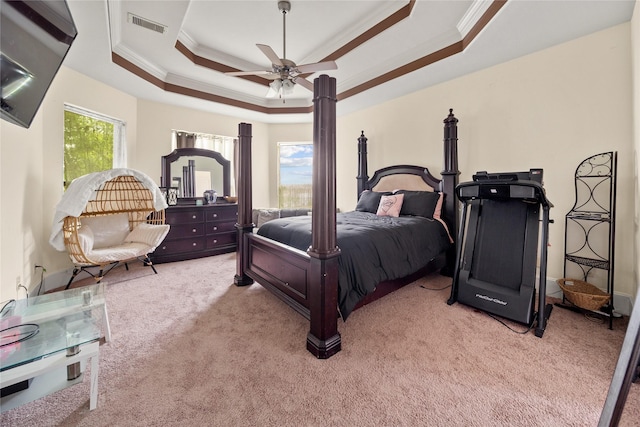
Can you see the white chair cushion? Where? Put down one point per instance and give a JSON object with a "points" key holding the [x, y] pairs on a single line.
{"points": [[123, 252], [85, 238], [108, 230], [149, 234]]}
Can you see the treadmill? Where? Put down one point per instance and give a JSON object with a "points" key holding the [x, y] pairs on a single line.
{"points": [[497, 246]]}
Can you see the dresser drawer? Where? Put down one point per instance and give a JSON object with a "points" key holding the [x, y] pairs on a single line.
{"points": [[198, 231], [185, 230], [222, 239], [223, 213], [173, 217], [182, 245], [220, 227]]}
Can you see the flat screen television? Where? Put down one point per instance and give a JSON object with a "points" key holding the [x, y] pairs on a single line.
{"points": [[35, 36]]}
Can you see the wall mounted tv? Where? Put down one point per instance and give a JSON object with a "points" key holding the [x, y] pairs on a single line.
{"points": [[35, 36]]}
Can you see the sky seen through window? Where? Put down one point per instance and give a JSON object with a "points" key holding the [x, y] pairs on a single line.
{"points": [[296, 161]]}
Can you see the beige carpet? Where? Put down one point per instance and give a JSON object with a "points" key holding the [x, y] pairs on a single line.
{"points": [[191, 349]]}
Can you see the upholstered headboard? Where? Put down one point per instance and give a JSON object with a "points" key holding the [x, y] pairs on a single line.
{"points": [[403, 177], [402, 182]]}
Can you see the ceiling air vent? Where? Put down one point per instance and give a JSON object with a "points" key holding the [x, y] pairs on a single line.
{"points": [[145, 23]]}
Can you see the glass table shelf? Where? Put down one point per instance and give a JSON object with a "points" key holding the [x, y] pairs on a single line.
{"points": [[55, 326]]}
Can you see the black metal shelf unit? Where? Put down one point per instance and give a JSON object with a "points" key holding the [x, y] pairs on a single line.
{"points": [[590, 226]]}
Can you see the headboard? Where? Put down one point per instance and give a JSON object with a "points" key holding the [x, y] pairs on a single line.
{"points": [[403, 177], [383, 179]]}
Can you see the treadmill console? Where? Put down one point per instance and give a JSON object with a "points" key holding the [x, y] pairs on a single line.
{"points": [[505, 185], [532, 175]]}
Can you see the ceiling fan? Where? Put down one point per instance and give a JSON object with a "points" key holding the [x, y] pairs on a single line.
{"points": [[284, 72]]}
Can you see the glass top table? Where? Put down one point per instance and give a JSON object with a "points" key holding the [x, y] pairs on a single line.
{"points": [[37, 327]]}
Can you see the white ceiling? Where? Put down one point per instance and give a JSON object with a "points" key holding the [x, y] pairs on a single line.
{"points": [[227, 32]]}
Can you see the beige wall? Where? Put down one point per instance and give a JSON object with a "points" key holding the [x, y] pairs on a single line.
{"points": [[21, 198], [156, 121], [32, 175], [635, 55], [550, 109]]}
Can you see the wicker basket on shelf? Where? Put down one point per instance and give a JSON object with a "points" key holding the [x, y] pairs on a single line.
{"points": [[583, 294]]}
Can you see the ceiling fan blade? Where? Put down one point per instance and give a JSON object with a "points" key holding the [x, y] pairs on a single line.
{"points": [[248, 73], [318, 66], [304, 83], [273, 57], [271, 76]]}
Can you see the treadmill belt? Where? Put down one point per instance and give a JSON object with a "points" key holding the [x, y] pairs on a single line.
{"points": [[499, 243]]}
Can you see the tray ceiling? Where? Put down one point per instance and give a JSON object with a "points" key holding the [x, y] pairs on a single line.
{"points": [[383, 49]]}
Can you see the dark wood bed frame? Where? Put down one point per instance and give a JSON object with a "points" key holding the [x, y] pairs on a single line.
{"points": [[308, 281]]}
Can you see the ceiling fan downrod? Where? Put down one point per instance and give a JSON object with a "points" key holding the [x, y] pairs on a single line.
{"points": [[285, 73], [284, 7]]}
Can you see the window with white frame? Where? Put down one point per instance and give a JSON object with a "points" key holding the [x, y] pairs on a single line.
{"points": [[93, 142], [295, 166]]}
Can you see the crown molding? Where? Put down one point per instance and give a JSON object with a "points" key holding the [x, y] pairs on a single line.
{"points": [[475, 19]]}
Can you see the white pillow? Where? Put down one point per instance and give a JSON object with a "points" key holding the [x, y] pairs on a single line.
{"points": [[108, 230], [149, 234]]}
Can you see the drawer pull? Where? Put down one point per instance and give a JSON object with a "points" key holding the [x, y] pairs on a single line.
{"points": [[194, 230], [215, 215], [194, 244], [194, 217], [215, 241], [215, 228]]}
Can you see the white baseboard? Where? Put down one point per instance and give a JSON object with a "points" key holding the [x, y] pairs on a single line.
{"points": [[52, 281]]}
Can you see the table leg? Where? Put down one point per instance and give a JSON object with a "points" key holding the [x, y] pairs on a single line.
{"points": [[107, 332], [93, 400]]}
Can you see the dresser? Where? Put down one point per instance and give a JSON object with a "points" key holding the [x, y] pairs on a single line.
{"points": [[198, 231]]}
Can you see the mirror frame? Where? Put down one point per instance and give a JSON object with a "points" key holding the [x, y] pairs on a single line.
{"points": [[167, 160]]}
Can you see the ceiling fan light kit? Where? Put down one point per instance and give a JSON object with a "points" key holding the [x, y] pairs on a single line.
{"points": [[280, 88], [284, 72]]}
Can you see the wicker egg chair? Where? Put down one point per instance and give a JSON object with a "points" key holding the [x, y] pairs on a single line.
{"points": [[122, 220]]}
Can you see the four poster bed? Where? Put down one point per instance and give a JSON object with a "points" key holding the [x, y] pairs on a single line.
{"points": [[320, 265]]}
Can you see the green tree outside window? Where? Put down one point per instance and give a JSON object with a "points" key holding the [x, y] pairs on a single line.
{"points": [[88, 145]]}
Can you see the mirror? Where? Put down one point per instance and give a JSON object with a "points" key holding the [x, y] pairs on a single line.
{"points": [[195, 170]]}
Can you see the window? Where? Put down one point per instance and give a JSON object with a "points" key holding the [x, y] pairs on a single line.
{"points": [[295, 166], [219, 143], [92, 143]]}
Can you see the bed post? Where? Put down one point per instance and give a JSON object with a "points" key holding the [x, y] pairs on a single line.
{"points": [[450, 176], [244, 224], [323, 339], [362, 177]]}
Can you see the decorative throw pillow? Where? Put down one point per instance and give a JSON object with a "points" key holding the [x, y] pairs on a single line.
{"points": [[108, 230], [390, 205], [370, 200], [266, 215], [149, 234], [418, 203], [438, 210]]}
